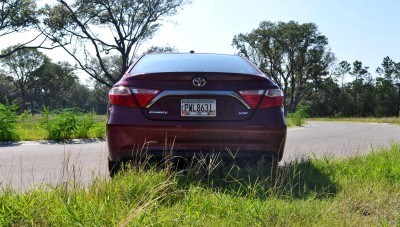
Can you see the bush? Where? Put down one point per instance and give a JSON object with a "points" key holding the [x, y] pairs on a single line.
{"points": [[66, 123], [85, 123], [8, 122], [101, 132], [298, 117], [60, 124]]}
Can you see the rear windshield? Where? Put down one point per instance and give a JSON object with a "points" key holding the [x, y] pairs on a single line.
{"points": [[156, 63]]}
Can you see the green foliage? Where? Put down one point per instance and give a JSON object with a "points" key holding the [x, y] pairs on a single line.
{"points": [[30, 128], [20, 66], [34, 80], [359, 191], [324, 101], [69, 21], [17, 14], [8, 122], [387, 120], [101, 131], [54, 85], [60, 124], [295, 56], [64, 123], [161, 49], [298, 118], [84, 123], [365, 96]]}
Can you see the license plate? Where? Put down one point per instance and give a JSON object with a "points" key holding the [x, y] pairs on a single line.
{"points": [[198, 108]]}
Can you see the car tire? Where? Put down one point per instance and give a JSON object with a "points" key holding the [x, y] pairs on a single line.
{"points": [[113, 167]]}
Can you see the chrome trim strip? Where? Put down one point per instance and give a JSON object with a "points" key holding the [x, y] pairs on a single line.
{"points": [[191, 93]]}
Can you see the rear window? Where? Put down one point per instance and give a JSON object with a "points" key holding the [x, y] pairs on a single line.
{"points": [[156, 63]]}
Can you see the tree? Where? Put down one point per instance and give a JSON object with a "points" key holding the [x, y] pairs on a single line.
{"points": [[360, 73], [18, 16], [99, 95], [7, 89], [324, 100], [89, 30], [386, 89], [163, 49], [20, 65], [53, 84], [294, 55], [341, 71], [390, 70]]}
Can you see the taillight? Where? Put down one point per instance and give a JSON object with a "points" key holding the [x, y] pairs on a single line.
{"points": [[271, 98], [144, 96], [252, 97], [121, 96], [125, 96]]}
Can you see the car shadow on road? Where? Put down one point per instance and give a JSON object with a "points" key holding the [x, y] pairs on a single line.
{"points": [[9, 144], [299, 179]]}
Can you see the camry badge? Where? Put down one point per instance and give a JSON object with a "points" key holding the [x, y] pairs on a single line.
{"points": [[158, 112], [199, 81]]}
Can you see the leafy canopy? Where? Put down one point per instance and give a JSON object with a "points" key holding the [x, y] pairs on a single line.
{"points": [[91, 30], [295, 56]]}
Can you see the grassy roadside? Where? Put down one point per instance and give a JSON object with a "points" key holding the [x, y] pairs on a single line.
{"points": [[30, 129], [389, 120], [363, 190], [294, 122]]}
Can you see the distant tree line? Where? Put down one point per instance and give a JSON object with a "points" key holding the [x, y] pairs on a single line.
{"points": [[364, 96], [297, 57], [31, 80]]}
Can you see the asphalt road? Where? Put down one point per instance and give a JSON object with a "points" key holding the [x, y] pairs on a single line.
{"points": [[27, 164]]}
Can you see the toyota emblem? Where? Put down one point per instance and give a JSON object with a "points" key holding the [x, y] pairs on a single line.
{"points": [[199, 81]]}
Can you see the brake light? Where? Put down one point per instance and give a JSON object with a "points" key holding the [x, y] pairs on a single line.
{"points": [[271, 98], [121, 96], [144, 96], [252, 97], [125, 96]]}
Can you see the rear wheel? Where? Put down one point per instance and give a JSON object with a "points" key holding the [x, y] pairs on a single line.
{"points": [[113, 167]]}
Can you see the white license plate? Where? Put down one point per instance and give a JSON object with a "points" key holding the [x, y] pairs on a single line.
{"points": [[198, 108]]}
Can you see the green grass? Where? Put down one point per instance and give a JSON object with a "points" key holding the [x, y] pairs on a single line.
{"points": [[29, 128], [390, 120], [364, 190], [294, 122]]}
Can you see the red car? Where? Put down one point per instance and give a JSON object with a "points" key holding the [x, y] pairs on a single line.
{"points": [[205, 103]]}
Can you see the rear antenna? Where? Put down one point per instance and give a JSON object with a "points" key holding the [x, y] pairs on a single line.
{"points": [[192, 51]]}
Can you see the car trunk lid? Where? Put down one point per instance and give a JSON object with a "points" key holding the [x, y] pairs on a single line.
{"points": [[218, 99]]}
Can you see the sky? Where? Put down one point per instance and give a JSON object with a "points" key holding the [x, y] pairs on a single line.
{"points": [[365, 30]]}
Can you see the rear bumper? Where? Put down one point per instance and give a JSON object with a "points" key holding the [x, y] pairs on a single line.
{"points": [[129, 133]]}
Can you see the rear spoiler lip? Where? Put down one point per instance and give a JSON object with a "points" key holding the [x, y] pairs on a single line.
{"points": [[243, 76]]}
